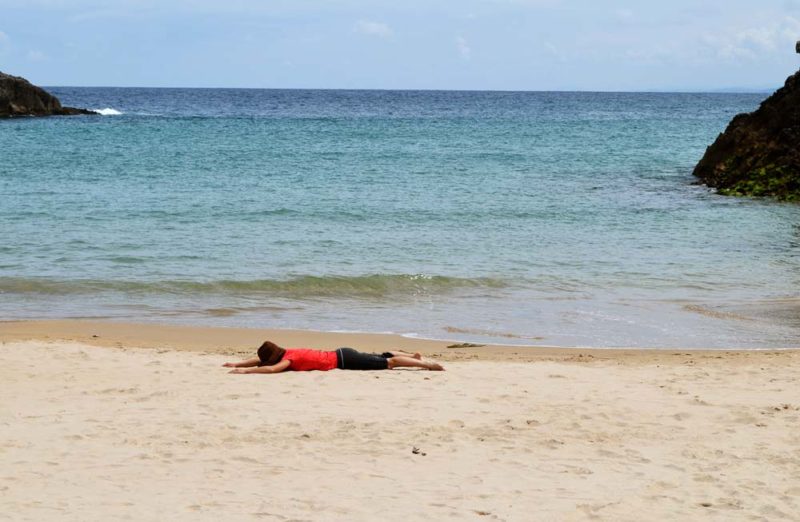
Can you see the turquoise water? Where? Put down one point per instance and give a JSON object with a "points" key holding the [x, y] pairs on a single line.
{"points": [[529, 218]]}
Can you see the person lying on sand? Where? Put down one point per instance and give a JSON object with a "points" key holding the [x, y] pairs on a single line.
{"points": [[274, 359]]}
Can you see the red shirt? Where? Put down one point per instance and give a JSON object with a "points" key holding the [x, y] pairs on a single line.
{"points": [[301, 359]]}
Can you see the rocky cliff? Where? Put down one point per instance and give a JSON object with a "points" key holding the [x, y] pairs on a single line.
{"points": [[759, 153], [18, 97]]}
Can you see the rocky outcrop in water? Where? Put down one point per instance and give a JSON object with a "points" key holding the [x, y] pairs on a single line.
{"points": [[759, 152], [18, 97]]}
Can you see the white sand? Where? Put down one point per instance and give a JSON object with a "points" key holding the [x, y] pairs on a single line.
{"points": [[90, 433]]}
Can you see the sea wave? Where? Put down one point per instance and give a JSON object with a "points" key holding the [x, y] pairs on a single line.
{"points": [[108, 111], [303, 287]]}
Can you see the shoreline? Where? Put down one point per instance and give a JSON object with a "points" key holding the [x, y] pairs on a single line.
{"points": [[244, 341]]}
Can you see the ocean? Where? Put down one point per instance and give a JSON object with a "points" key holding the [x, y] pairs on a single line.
{"points": [[530, 218]]}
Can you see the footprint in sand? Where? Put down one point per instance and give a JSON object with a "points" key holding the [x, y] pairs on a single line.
{"points": [[577, 470], [249, 460], [121, 391]]}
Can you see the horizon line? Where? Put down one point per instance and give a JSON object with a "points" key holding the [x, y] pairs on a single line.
{"points": [[709, 90]]}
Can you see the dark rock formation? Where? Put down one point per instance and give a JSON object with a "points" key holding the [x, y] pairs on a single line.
{"points": [[18, 97], [759, 153]]}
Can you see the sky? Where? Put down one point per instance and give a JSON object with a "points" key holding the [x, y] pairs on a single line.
{"points": [[600, 45]]}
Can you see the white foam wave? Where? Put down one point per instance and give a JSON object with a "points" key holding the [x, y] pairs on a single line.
{"points": [[108, 111]]}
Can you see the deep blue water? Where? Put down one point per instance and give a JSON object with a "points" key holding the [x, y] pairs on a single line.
{"points": [[531, 218]]}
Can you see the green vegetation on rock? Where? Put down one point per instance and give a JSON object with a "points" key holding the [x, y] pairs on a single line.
{"points": [[769, 181]]}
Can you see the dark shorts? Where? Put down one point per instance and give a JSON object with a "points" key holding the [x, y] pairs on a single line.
{"points": [[350, 359]]}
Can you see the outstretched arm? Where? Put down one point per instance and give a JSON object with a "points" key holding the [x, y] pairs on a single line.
{"points": [[275, 368], [243, 364]]}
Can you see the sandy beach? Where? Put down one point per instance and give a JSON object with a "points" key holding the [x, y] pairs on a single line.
{"points": [[104, 421], [584, 217]]}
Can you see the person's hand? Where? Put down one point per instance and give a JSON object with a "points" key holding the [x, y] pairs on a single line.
{"points": [[229, 365], [238, 370]]}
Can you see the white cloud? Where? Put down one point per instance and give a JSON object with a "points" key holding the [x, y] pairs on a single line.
{"points": [[753, 42], [371, 28], [551, 48], [463, 48], [36, 56], [4, 38], [730, 44]]}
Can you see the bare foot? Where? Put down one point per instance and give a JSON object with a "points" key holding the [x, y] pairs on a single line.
{"points": [[435, 367], [417, 356]]}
